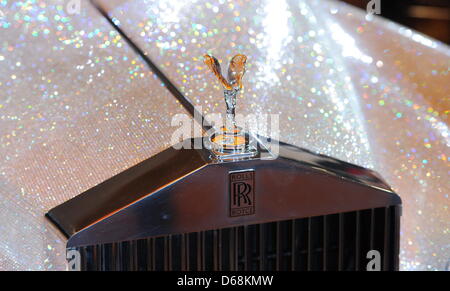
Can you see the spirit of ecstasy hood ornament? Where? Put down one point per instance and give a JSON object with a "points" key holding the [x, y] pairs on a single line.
{"points": [[230, 141]]}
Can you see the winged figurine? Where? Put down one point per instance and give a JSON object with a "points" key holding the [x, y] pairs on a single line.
{"points": [[232, 84]]}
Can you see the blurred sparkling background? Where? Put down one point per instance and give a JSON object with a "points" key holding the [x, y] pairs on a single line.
{"points": [[431, 17], [72, 94]]}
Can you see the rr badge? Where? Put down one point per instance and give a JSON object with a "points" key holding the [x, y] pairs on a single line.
{"points": [[242, 193]]}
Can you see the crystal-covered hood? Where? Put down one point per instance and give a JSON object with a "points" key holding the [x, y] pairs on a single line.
{"points": [[78, 105]]}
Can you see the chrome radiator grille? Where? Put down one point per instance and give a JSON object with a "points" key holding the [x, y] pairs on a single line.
{"points": [[332, 242]]}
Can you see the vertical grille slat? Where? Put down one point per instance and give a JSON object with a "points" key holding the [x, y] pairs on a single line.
{"points": [[325, 242], [246, 249], [106, 257], [271, 246], [394, 233], [316, 244], [134, 256], [168, 253], [141, 254], [121, 262], [387, 238], [309, 254], [365, 237], [159, 252], [233, 250], [330, 242], [341, 243], [220, 250], [358, 240], [225, 249], [184, 256], [372, 229], [262, 247], [302, 242], [189, 258], [112, 258], [201, 251], [240, 248], [216, 250], [94, 252], [278, 246], [176, 257], [119, 251], [379, 235], [293, 246], [123, 256], [102, 257], [192, 251], [253, 248], [208, 250], [349, 241], [84, 258], [151, 254]]}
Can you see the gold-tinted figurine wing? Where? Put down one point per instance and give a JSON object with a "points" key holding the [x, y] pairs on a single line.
{"points": [[236, 70], [214, 66]]}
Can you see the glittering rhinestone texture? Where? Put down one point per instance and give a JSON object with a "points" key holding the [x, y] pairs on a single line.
{"points": [[345, 84]]}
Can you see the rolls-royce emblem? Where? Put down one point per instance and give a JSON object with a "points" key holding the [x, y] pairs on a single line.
{"points": [[242, 193]]}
